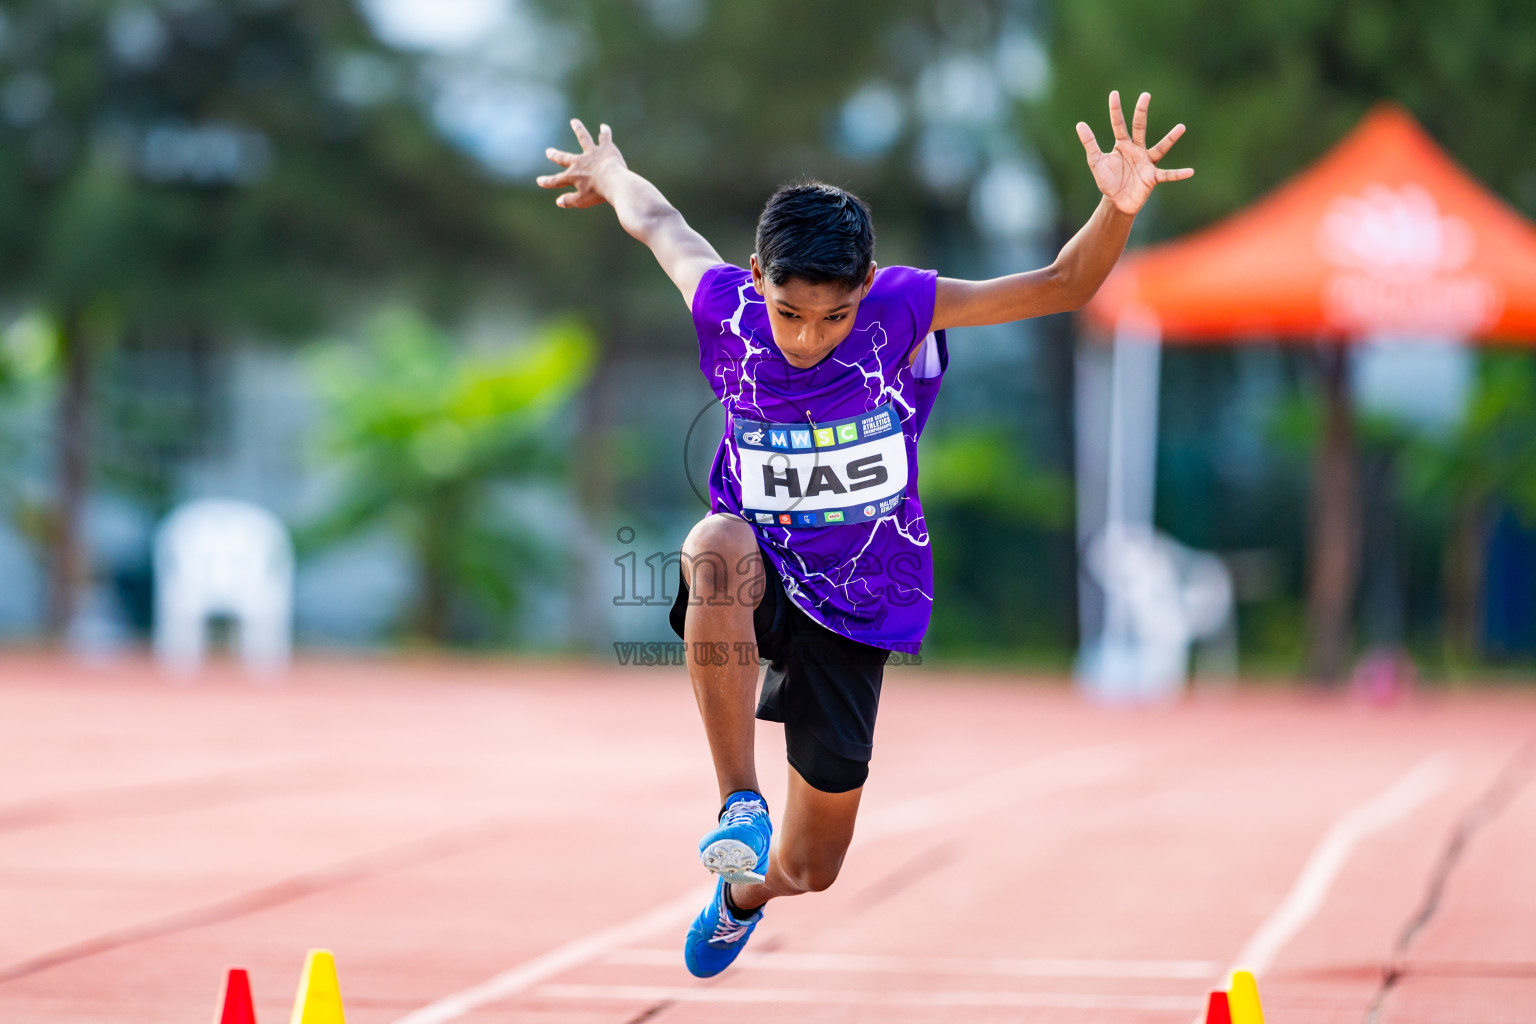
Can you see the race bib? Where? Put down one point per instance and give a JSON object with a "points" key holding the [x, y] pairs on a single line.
{"points": [[823, 474]]}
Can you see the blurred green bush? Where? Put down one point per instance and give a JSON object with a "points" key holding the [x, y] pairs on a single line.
{"points": [[426, 433]]}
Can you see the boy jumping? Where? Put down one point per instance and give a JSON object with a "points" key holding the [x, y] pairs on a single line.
{"points": [[815, 547]]}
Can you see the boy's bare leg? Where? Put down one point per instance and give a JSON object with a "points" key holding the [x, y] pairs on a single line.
{"points": [[814, 834], [724, 570]]}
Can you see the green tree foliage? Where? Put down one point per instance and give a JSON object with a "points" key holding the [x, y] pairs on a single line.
{"points": [[1266, 88], [29, 350], [721, 102], [215, 160], [999, 572], [211, 166], [985, 472], [1491, 455], [1462, 479], [425, 432]]}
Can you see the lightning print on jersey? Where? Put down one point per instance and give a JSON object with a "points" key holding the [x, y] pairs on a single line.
{"points": [[867, 580], [738, 402], [876, 379]]}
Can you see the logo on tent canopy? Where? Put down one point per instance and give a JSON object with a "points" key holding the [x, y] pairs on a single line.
{"points": [[1402, 266]]}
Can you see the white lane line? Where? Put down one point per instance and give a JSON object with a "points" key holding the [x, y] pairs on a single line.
{"points": [[845, 963], [562, 958], [1042, 776], [822, 996], [1330, 855]]}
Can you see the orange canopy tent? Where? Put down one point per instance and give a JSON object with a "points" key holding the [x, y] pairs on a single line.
{"points": [[1384, 234]]}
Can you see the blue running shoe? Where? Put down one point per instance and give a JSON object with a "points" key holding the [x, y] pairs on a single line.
{"points": [[717, 936], [737, 848]]}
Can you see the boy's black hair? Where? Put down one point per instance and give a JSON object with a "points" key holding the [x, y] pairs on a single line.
{"points": [[816, 232]]}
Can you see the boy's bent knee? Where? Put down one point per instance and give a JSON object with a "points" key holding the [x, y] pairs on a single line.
{"points": [[812, 874], [720, 534], [720, 551]]}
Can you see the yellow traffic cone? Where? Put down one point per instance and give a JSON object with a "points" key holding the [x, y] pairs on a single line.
{"points": [[319, 998], [1243, 998]]}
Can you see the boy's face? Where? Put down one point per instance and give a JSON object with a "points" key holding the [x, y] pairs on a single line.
{"points": [[809, 320]]}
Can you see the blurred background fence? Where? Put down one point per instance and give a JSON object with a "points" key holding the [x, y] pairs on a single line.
{"points": [[288, 251]]}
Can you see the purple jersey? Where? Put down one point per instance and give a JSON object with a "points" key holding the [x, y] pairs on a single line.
{"points": [[822, 462]]}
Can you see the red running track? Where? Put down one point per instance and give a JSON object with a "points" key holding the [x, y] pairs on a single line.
{"points": [[513, 842]]}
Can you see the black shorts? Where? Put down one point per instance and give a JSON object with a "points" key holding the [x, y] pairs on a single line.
{"points": [[824, 687]]}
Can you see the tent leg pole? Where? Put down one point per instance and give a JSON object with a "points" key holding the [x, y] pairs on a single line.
{"points": [[1334, 547]]}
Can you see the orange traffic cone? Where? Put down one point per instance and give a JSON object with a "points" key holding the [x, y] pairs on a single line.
{"points": [[235, 1006]]}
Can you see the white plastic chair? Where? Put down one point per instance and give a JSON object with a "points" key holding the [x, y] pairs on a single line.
{"points": [[231, 558], [1160, 598]]}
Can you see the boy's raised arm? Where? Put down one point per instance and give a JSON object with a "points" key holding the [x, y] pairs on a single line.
{"points": [[598, 174], [1126, 175]]}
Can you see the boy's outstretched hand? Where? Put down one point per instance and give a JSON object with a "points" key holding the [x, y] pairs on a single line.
{"points": [[583, 171], [599, 175], [1128, 172], [1126, 175]]}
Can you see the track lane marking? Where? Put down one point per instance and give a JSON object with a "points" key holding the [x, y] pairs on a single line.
{"points": [[887, 997], [1031, 967], [1043, 776], [560, 959], [448, 843], [165, 796], [1332, 852]]}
